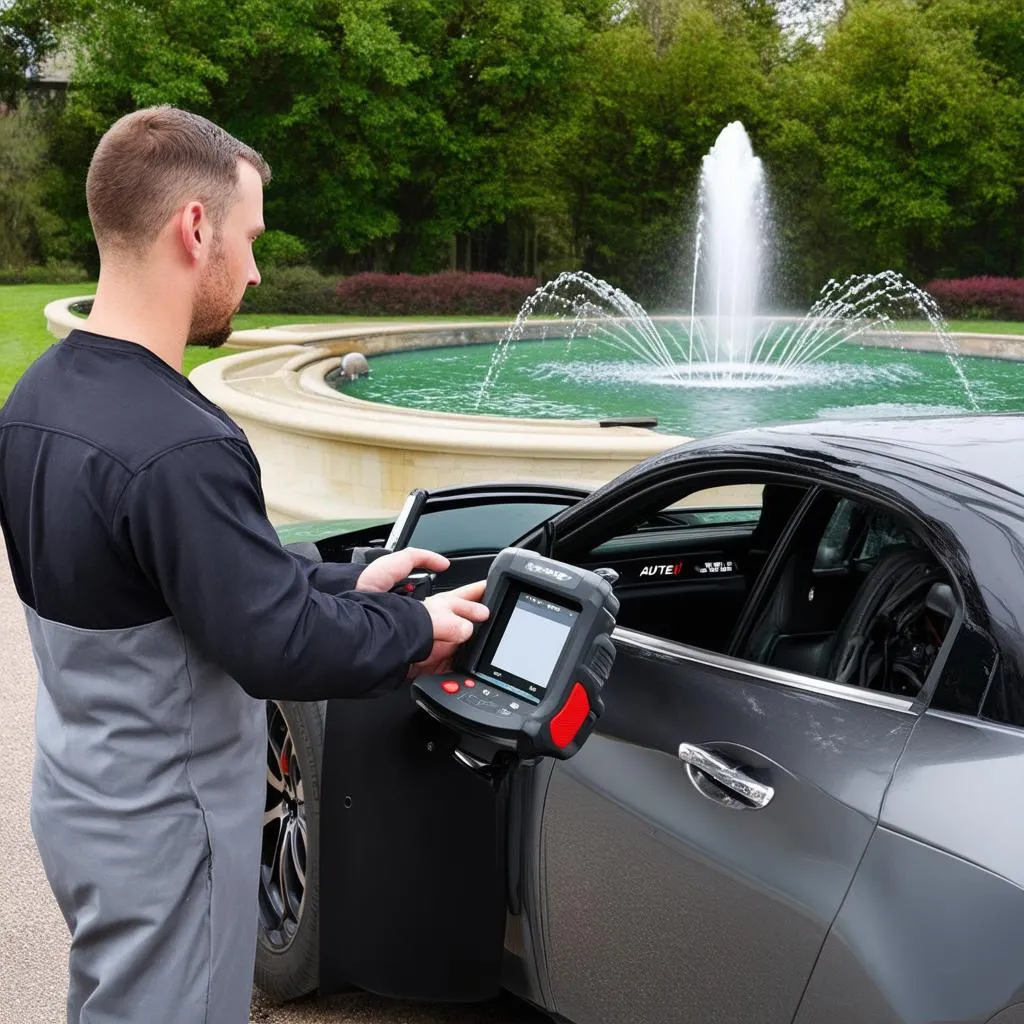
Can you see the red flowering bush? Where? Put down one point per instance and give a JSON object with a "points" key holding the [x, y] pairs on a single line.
{"points": [[980, 298], [454, 293]]}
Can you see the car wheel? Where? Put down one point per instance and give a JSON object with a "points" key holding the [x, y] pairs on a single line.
{"points": [[287, 951]]}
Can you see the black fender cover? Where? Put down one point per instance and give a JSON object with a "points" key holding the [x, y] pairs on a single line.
{"points": [[412, 858]]}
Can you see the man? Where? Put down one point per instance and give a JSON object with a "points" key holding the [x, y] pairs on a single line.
{"points": [[161, 607]]}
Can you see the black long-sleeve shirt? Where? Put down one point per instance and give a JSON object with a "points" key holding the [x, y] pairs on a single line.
{"points": [[127, 497]]}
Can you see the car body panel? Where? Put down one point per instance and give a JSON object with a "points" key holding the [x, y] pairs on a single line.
{"points": [[696, 895], [941, 892], [412, 858], [411, 844], [922, 937]]}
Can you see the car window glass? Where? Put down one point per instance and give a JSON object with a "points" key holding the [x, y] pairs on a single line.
{"points": [[710, 506], [834, 547], [685, 569], [480, 528], [730, 498], [858, 599]]}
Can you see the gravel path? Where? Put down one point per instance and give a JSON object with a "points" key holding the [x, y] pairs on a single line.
{"points": [[33, 938]]}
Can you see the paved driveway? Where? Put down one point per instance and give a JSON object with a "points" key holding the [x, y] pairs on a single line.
{"points": [[33, 939]]}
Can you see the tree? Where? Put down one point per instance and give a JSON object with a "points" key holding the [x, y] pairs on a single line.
{"points": [[893, 139], [391, 125], [647, 111], [27, 36], [27, 228]]}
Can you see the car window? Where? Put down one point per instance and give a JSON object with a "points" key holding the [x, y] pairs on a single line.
{"points": [[857, 599], [856, 596], [728, 502], [480, 528], [685, 568], [710, 506], [856, 532]]}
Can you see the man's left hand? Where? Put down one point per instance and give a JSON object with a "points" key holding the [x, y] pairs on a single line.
{"points": [[384, 572]]}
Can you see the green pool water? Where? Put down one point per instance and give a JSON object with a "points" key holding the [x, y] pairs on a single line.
{"points": [[548, 379]]}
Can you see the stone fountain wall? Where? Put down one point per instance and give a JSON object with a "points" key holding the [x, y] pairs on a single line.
{"points": [[326, 455]]}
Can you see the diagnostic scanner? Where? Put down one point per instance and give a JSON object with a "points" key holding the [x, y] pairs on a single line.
{"points": [[528, 683]]}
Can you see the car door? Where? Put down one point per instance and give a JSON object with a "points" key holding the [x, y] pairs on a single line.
{"points": [[697, 849], [412, 884]]}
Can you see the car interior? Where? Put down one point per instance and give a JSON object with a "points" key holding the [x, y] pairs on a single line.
{"points": [[812, 582]]}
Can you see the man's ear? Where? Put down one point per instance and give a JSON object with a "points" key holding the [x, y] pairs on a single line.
{"points": [[193, 228]]}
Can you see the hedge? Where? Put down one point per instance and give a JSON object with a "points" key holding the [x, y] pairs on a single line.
{"points": [[300, 290], [52, 273], [452, 293], [979, 298]]}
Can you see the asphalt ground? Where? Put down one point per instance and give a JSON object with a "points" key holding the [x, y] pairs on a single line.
{"points": [[33, 937]]}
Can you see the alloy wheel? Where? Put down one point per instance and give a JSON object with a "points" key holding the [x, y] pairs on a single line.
{"points": [[283, 860]]}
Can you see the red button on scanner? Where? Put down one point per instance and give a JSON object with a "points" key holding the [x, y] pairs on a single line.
{"points": [[469, 682], [567, 722], [450, 686]]}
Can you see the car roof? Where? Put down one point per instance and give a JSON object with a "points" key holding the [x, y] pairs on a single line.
{"points": [[986, 449]]}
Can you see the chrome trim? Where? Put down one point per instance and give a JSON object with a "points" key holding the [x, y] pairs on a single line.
{"points": [[756, 793], [763, 673]]}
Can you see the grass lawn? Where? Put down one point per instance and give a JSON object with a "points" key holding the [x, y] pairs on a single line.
{"points": [[23, 333]]}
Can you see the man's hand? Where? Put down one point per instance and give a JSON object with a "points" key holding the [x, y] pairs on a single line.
{"points": [[384, 572], [452, 615]]}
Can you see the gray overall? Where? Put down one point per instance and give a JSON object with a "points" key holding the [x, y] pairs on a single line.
{"points": [[147, 805]]}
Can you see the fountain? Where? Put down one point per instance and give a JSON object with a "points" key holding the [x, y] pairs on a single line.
{"points": [[542, 398], [725, 341], [687, 370]]}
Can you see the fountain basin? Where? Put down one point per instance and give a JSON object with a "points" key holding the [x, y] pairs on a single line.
{"points": [[326, 455], [585, 378], [331, 455]]}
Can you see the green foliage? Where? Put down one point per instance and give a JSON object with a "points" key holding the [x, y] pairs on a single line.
{"points": [[391, 125], [27, 228], [530, 136], [891, 139], [28, 34], [55, 272], [275, 249], [649, 105], [292, 290]]}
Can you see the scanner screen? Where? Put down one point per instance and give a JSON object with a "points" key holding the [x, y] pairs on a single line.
{"points": [[531, 643]]}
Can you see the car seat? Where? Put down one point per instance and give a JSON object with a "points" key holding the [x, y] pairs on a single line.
{"points": [[883, 642]]}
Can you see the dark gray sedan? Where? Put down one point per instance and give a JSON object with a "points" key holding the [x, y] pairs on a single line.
{"points": [[800, 802]]}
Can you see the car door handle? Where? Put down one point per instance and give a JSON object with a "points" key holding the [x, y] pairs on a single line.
{"points": [[757, 794]]}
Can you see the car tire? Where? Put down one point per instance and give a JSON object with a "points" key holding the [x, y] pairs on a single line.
{"points": [[288, 942]]}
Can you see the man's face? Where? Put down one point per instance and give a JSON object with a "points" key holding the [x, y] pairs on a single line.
{"points": [[231, 267]]}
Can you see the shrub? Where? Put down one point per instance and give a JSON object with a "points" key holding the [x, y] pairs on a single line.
{"points": [[447, 294], [56, 272], [980, 298], [292, 290], [275, 249]]}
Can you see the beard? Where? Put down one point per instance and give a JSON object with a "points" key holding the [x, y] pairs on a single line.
{"points": [[215, 305]]}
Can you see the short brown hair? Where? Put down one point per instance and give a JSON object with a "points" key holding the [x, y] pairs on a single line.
{"points": [[151, 162]]}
